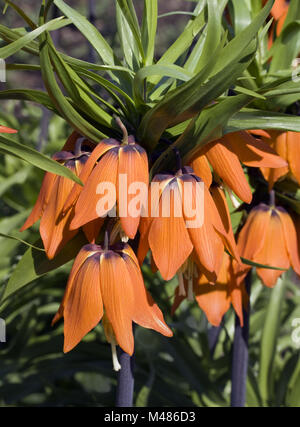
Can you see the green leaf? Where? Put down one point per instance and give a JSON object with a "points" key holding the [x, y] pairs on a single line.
{"points": [[269, 340], [96, 39], [37, 96], [213, 34], [259, 119], [163, 70], [61, 103], [10, 146], [78, 90], [19, 44], [35, 264], [128, 42], [257, 265], [129, 14], [241, 15], [188, 100], [206, 127], [149, 27], [7, 236]]}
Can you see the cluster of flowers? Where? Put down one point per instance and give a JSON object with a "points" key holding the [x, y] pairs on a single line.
{"points": [[106, 280]]}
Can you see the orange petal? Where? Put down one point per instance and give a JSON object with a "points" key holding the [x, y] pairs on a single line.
{"points": [[55, 227], [223, 211], [256, 225], [4, 129], [105, 172], [118, 298], [281, 22], [98, 152], [146, 312], [214, 300], [259, 132], [280, 7], [133, 164], [42, 200], [84, 253], [201, 168], [227, 165], [273, 252], [83, 308], [290, 237], [168, 237], [254, 152], [293, 153]]}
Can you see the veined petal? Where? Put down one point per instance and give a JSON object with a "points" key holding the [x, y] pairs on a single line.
{"points": [[85, 252], [55, 227], [214, 300], [168, 236], [227, 165], [223, 211], [293, 153], [83, 308], [146, 313], [96, 154], [133, 164], [118, 298], [254, 152], [290, 237], [256, 225], [42, 200], [201, 168], [86, 206], [273, 252]]}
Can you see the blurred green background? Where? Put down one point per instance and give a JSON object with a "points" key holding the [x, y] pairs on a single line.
{"points": [[191, 369]]}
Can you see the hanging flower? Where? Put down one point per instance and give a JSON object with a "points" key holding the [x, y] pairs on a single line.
{"points": [[55, 224], [108, 281], [215, 300], [269, 238], [169, 238], [286, 144], [225, 156], [123, 166]]}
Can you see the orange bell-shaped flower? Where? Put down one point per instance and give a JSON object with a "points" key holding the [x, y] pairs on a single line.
{"points": [[123, 166], [287, 145], [215, 300], [55, 224], [171, 241], [108, 280], [269, 238], [225, 156]]}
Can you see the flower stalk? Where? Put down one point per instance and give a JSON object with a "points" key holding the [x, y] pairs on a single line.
{"points": [[240, 355]]}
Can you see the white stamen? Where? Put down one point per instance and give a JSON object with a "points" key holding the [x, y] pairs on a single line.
{"points": [[181, 284], [124, 237], [115, 360]]}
